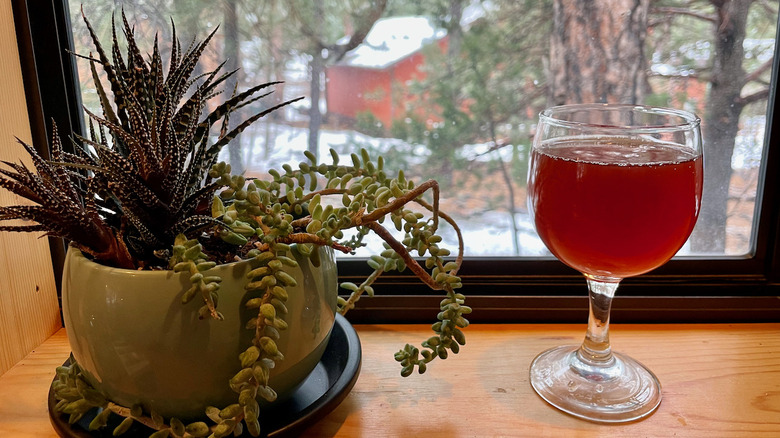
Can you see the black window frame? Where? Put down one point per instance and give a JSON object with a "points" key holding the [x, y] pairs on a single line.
{"points": [[501, 289]]}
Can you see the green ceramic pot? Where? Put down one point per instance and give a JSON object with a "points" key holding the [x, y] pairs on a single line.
{"points": [[137, 342]]}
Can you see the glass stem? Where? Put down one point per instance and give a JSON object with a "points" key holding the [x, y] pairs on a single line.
{"points": [[595, 350]]}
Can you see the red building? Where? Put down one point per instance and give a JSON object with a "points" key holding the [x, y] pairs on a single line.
{"points": [[375, 76]]}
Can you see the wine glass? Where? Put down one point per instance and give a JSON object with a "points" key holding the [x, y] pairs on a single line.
{"points": [[615, 191]]}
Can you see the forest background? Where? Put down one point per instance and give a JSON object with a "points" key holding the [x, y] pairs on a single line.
{"points": [[474, 105]]}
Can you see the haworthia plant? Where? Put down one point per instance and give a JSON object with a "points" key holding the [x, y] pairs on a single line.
{"points": [[140, 176]]}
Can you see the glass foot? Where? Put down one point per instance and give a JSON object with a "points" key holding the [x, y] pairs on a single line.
{"points": [[619, 391]]}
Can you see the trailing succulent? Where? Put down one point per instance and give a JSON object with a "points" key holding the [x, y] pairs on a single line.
{"points": [[144, 190]]}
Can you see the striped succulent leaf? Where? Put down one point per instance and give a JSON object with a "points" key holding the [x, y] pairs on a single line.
{"points": [[59, 208], [140, 175]]}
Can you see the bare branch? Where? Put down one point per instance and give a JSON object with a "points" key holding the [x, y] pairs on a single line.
{"points": [[359, 35], [666, 19], [771, 11], [684, 11], [307, 30], [754, 97], [752, 76]]}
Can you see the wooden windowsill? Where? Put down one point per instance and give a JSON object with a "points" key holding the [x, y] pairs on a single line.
{"points": [[718, 380]]}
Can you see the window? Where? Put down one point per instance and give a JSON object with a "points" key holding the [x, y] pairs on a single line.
{"points": [[509, 275]]}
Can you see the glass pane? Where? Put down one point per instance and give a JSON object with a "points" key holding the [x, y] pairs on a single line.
{"points": [[451, 89]]}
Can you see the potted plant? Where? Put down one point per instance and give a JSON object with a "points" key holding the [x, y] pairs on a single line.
{"points": [[161, 228]]}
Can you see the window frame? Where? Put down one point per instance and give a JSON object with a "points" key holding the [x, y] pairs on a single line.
{"points": [[501, 289]]}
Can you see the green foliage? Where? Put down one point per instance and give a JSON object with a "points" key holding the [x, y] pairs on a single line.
{"points": [[487, 86], [367, 123], [658, 99]]}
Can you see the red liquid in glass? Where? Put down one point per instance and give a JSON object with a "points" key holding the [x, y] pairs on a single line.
{"points": [[614, 210]]}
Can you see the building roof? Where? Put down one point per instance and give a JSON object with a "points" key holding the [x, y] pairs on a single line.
{"points": [[395, 38], [391, 40]]}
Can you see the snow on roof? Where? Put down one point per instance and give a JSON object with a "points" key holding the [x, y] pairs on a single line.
{"points": [[392, 39]]}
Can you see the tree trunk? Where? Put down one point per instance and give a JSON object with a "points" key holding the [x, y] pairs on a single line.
{"points": [[276, 72], [316, 67], [315, 116], [597, 51], [231, 54], [454, 29], [721, 123]]}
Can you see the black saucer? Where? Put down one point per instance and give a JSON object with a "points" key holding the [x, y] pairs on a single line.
{"points": [[323, 390]]}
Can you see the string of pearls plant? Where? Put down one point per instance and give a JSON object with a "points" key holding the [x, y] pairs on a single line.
{"points": [[269, 219]]}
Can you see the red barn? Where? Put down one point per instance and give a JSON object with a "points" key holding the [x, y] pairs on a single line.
{"points": [[374, 77]]}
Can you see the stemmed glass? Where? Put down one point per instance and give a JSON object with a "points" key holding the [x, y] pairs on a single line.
{"points": [[615, 191]]}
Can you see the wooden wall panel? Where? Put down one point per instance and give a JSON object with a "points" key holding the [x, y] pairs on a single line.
{"points": [[29, 311]]}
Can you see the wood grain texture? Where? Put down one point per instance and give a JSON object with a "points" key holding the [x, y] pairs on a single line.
{"points": [[24, 390], [719, 380], [29, 311]]}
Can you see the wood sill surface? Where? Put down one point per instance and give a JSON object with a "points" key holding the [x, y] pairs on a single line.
{"points": [[719, 380]]}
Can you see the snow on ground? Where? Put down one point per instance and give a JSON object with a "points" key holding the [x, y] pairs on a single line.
{"points": [[486, 234], [289, 144]]}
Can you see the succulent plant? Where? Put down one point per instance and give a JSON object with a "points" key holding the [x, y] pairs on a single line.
{"points": [[144, 190], [141, 175]]}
